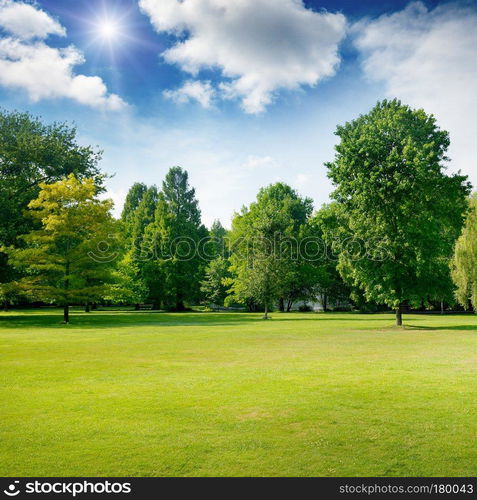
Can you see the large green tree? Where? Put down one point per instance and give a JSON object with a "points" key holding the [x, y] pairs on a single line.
{"points": [[215, 251], [142, 216], [390, 179], [173, 238], [32, 153], [70, 258], [137, 282], [131, 203], [265, 247]]}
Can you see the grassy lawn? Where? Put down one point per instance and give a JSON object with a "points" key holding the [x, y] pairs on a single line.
{"points": [[198, 394]]}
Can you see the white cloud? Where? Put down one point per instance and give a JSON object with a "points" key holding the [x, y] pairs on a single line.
{"points": [[193, 90], [25, 21], [428, 59], [260, 46], [254, 162], [42, 71], [118, 197], [302, 180]]}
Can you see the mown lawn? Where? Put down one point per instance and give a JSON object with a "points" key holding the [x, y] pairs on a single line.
{"points": [[198, 394]]}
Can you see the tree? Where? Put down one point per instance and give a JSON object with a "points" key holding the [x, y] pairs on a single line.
{"points": [[217, 245], [265, 247], [214, 285], [133, 199], [141, 217], [173, 238], [137, 281], [320, 270], [32, 153], [128, 285], [464, 261], [70, 258], [215, 250], [389, 174]]}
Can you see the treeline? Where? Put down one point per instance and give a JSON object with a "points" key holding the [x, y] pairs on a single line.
{"points": [[272, 255], [388, 238]]}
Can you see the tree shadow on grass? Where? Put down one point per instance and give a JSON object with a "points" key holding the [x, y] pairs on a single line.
{"points": [[129, 319], [99, 320], [449, 327]]}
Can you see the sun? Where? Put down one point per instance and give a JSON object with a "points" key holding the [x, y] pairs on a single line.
{"points": [[108, 30]]}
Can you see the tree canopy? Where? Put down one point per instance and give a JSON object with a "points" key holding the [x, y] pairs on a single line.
{"points": [[264, 242], [389, 177], [32, 153], [69, 258]]}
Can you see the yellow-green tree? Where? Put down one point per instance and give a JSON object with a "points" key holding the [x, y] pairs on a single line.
{"points": [[32, 152], [464, 262], [70, 258]]}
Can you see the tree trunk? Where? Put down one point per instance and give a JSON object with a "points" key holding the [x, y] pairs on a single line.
{"points": [[281, 304], [66, 310], [399, 315], [87, 307], [5, 306], [180, 305], [442, 307], [289, 306], [325, 302], [137, 307], [265, 316]]}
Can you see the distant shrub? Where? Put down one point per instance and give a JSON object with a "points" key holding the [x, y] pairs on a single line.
{"points": [[305, 308]]}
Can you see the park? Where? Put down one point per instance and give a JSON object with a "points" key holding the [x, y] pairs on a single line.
{"points": [[332, 342], [297, 335]]}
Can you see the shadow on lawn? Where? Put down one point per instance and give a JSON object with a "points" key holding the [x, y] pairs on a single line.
{"points": [[450, 327], [98, 320], [128, 319]]}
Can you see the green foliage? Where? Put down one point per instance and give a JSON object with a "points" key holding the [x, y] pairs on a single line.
{"points": [[32, 153], [397, 201], [172, 239], [70, 258], [137, 279], [128, 286], [464, 262], [133, 199], [141, 217], [265, 261], [321, 274], [214, 285], [217, 245]]}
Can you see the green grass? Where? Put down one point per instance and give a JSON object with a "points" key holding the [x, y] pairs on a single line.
{"points": [[199, 394]]}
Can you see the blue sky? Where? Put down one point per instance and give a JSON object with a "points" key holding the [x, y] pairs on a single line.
{"points": [[241, 93]]}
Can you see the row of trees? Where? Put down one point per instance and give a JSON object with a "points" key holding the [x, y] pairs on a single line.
{"points": [[175, 259], [387, 238]]}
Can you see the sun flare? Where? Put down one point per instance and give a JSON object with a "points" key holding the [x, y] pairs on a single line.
{"points": [[108, 30]]}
